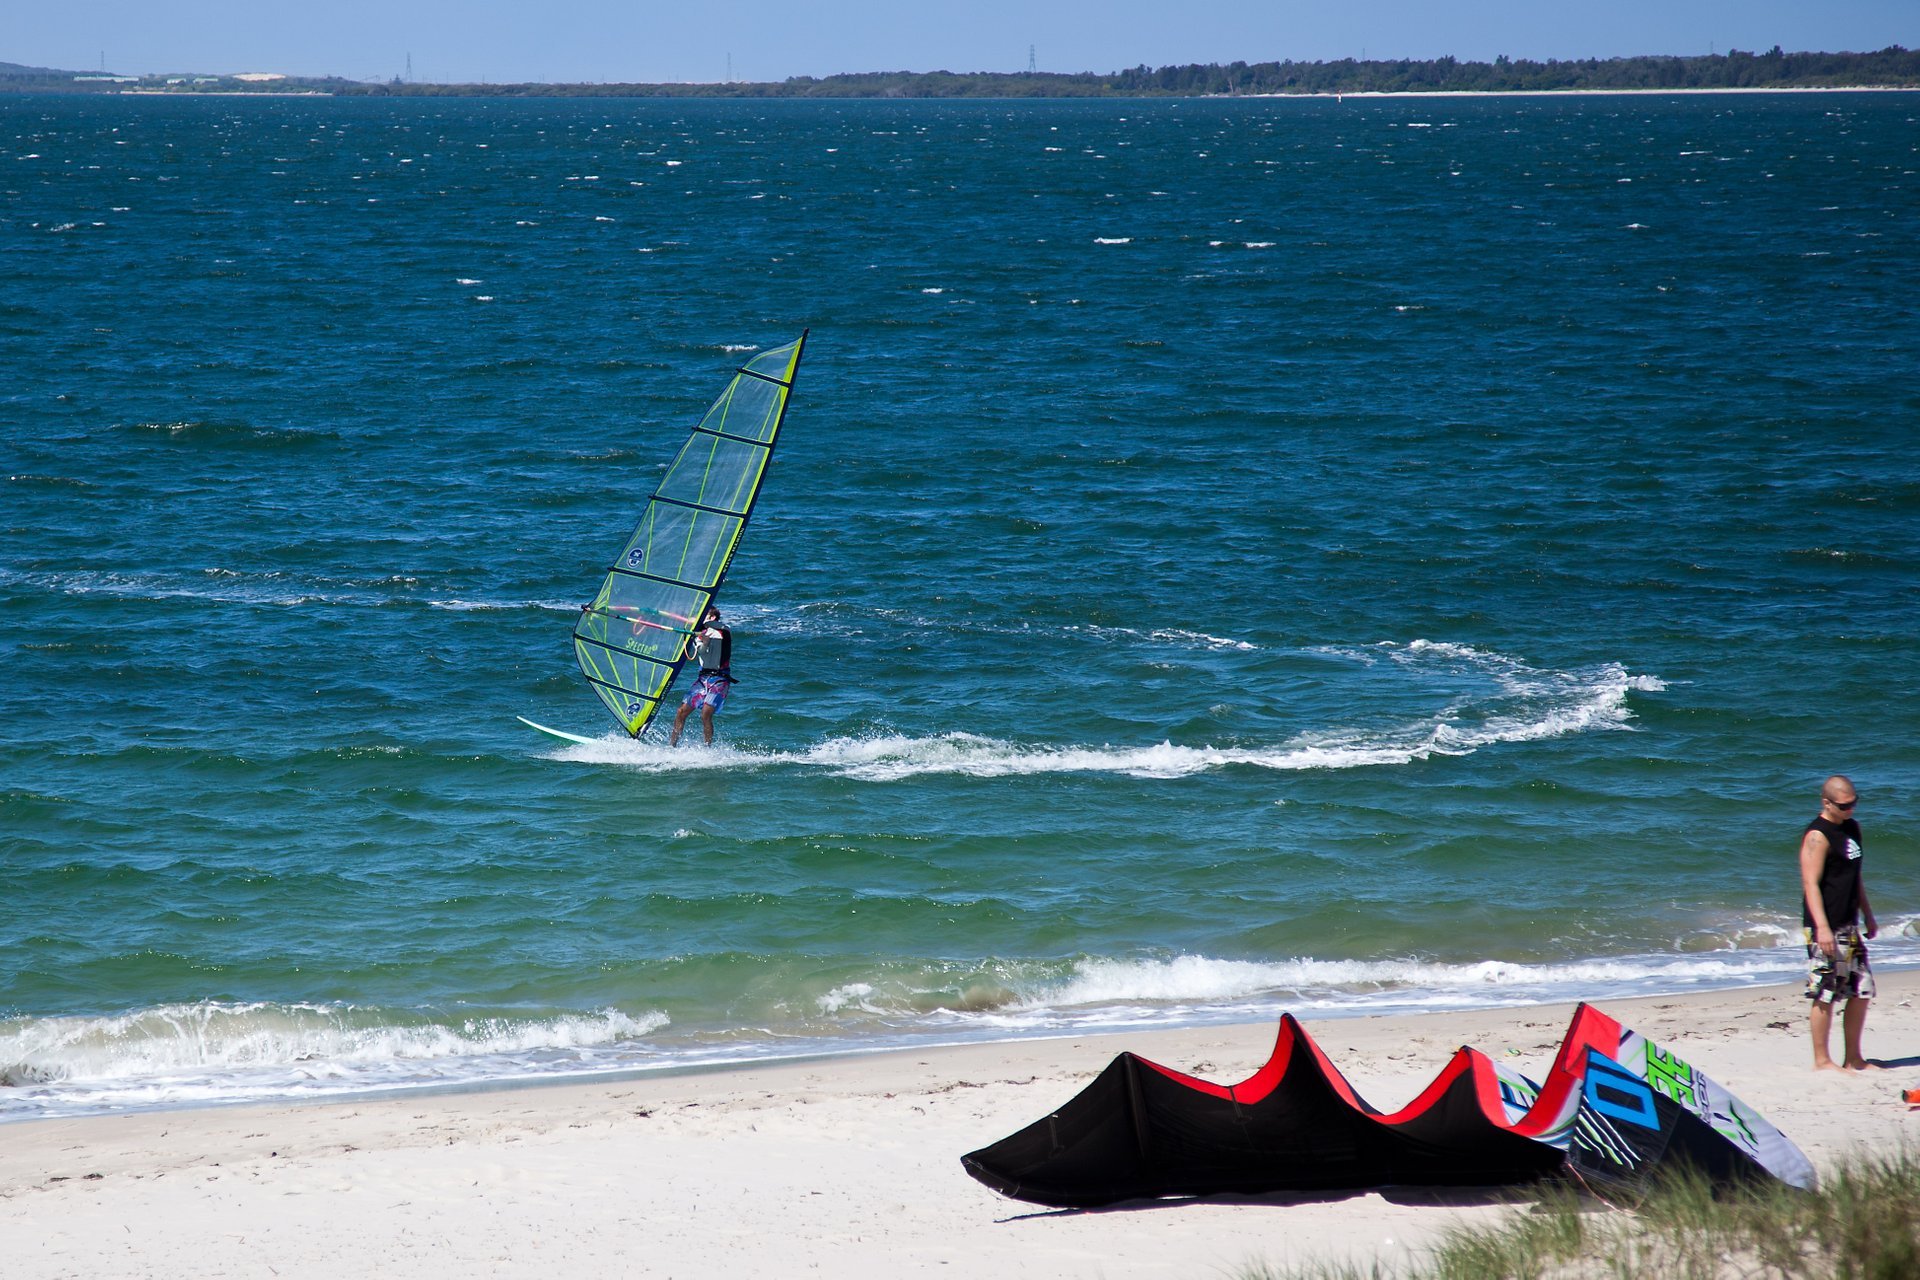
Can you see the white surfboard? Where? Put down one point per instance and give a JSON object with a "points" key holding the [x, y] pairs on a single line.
{"points": [[561, 734]]}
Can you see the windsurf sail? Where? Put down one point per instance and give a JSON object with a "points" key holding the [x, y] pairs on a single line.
{"points": [[631, 640]]}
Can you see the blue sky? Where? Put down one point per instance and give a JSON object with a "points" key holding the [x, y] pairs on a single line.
{"points": [[644, 40]]}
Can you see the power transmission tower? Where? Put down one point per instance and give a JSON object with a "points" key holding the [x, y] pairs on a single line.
{"points": [[1031, 65]]}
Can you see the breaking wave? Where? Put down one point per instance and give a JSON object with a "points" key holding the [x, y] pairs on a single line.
{"points": [[1097, 993], [1527, 704], [213, 1051], [171, 1038]]}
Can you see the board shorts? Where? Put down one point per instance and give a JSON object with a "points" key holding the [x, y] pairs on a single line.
{"points": [[1844, 975], [708, 693]]}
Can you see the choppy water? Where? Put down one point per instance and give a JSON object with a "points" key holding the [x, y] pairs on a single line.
{"points": [[1224, 556]]}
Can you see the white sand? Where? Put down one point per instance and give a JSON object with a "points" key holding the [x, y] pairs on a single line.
{"points": [[844, 1167]]}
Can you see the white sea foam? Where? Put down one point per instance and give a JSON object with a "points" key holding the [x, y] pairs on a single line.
{"points": [[1528, 704], [1102, 993], [1164, 635], [1199, 978], [1177, 635], [853, 995], [1113, 239], [468, 606], [217, 1051], [230, 586]]}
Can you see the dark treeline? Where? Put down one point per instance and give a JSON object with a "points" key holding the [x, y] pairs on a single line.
{"points": [[1892, 66]]}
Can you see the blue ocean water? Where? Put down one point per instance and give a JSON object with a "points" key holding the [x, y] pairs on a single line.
{"points": [[1223, 556]]}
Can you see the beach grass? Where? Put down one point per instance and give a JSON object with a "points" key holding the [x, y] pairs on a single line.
{"points": [[1862, 1224]]}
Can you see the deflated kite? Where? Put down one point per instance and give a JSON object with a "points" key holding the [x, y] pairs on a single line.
{"points": [[1616, 1109]]}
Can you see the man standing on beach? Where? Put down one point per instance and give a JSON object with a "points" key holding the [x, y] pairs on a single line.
{"points": [[1833, 906], [712, 647]]}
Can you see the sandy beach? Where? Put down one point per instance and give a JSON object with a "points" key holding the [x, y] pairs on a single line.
{"points": [[843, 1166]]}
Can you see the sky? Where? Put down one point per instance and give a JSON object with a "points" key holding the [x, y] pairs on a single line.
{"points": [[706, 40]]}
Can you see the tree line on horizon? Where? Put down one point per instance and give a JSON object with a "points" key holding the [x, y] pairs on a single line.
{"points": [[1893, 66]]}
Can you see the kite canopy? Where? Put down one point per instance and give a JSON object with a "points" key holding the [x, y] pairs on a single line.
{"points": [[1627, 1109], [1629, 1132]]}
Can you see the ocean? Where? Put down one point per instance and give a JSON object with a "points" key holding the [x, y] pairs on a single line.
{"points": [[1223, 557]]}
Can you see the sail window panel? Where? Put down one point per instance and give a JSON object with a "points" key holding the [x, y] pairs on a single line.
{"points": [[630, 674], [650, 618], [632, 712], [748, 407], [777, 363], [681, 543], [630, 687], [715, 472]]}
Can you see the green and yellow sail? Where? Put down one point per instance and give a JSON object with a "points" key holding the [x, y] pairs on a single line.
{"points": [[632, 639]]}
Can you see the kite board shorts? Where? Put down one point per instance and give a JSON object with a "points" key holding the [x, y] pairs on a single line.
{"points": [[1844, 975], [709, 693]]}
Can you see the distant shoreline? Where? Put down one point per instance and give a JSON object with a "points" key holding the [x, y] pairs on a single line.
{"points": [[1735, 71], [1581, 93], [1114, 97], [223, 93]]}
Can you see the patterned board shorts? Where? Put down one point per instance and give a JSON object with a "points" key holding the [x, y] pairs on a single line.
{"points": [[1842, 976], [708, 693]]}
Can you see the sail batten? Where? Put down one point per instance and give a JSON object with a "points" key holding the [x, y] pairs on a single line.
{"points": [[631, 639]]}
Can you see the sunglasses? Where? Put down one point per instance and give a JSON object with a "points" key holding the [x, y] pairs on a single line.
{"points": [[1844, 804]]}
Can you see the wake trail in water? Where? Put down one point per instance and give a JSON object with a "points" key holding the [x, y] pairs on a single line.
{"points": [[1528, 704]]}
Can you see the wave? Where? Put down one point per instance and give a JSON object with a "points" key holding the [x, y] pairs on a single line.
{"points": [[214, 1052], [486, 606], [266, 589], [169, 1039], [1191, 978], [218, 1052], [1098, 992], [1530, 705], [229, 586], [229, 434], [1164, 635]]}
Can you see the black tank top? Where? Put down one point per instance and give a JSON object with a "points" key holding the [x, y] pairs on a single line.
{"points": [[1840, 875]]}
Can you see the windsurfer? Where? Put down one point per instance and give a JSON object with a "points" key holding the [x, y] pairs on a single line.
{"points": [[1833, 908], [712, 648]]}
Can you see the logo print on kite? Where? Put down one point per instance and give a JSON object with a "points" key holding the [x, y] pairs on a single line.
{"points": [[636, 557]]}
